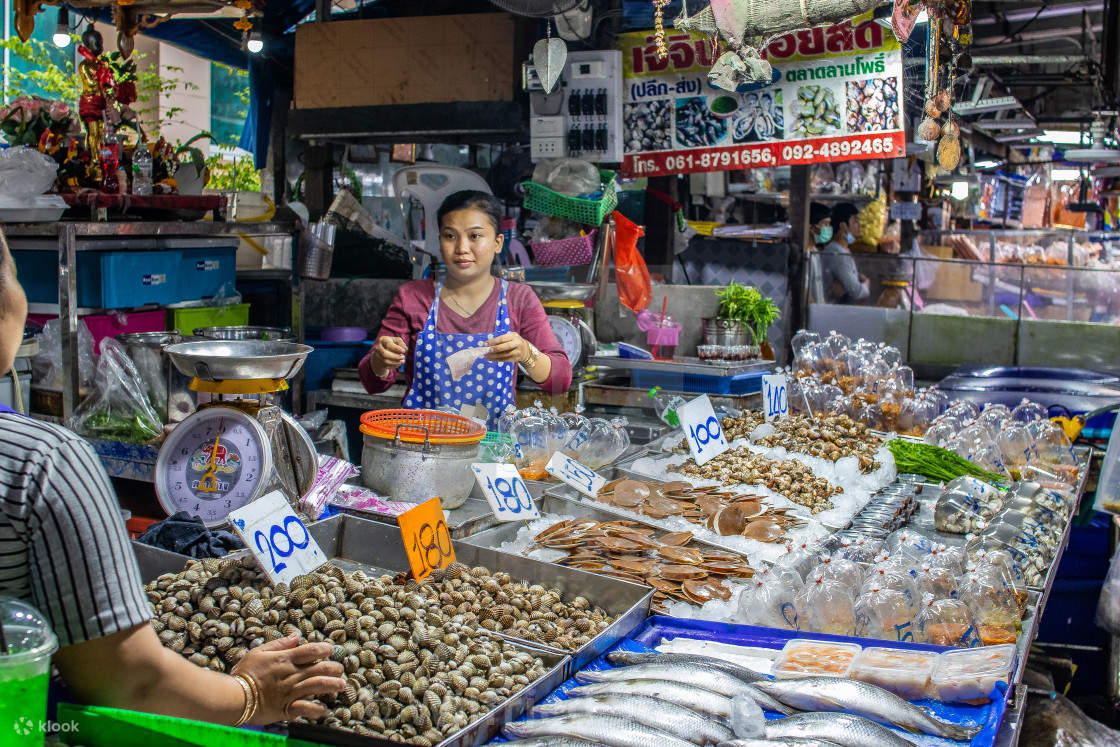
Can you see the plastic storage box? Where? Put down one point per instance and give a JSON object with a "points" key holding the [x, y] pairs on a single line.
{"points": [[327, 356], [805, 657], [905, 673], [186, 321], [106, 280], [747, 383], [110, 325], [971, 673], [203, 271]]}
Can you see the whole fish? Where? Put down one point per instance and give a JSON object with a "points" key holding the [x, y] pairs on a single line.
{"points": [[677, 720], [686, 674], [768, 703], [699, 700], [550, 742], [842, 728], [832, 694], [777, 742], [608, 730], [630, 658]]}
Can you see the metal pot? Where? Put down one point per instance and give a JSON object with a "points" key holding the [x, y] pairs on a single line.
{"points": [[271, 334], [167, 389], [415, 473], [725, 332]]}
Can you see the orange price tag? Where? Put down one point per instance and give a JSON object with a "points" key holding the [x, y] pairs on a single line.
{"points": [[427, 541]]}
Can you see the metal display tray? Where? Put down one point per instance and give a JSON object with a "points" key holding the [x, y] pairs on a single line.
{"points": [[477, 733], [355, 544], [684, 365]]}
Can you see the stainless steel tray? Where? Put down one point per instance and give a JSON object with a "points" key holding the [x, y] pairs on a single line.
{"points": [[220, 360], [479, 732], [361, 544], [684, 365]]}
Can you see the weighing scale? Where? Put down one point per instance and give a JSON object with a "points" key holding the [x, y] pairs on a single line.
{"points": [[571, 323], [240, 445]]}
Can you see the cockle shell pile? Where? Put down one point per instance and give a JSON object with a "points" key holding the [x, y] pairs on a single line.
{"points": [[787, 477], [828, 436], [635, 553], [815, 111], [697, 125], [420, 659], [649, 126], [873, 105]]}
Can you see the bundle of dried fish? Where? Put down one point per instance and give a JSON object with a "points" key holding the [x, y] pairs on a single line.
{"points": [[415, 673], [788, 477], [633, 552]]}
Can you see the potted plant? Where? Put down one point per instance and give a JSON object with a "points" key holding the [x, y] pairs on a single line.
{"points": [[192, 173], [743, 317]]}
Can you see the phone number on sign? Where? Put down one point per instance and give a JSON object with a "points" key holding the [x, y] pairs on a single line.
{"points": [[837, 149], [718, 160]]}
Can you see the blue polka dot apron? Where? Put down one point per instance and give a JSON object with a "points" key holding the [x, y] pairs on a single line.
{"points": [[486, 385]]}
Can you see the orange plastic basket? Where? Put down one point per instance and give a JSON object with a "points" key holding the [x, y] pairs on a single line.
{"points": [[418, 426]]}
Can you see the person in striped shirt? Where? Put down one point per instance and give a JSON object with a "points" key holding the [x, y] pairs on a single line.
{"points": [[63, 549]]}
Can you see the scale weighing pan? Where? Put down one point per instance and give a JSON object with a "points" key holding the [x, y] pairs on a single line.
{"points": [[221, 360]]}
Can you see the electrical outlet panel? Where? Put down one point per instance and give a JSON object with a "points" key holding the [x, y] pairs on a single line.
{"points": [[591, 111]]}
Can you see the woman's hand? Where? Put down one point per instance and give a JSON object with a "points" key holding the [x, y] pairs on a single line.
{"points": [[388, 355], [288, 675], [508, 348]]}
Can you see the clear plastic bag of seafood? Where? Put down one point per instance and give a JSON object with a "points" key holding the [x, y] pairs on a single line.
{"points": [[909, 544], [884, 613], [945, 622], [993, 607], [896, 576], [847, 573], [992, 569], [769, 600], [859, 549], [941, 583], [1016, 444], [1028, 412], [825, 605], [1052, 443], [800, 558], [959, 513], [951, 558], [964, 409]]}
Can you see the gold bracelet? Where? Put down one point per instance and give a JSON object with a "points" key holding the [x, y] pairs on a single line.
{"points": [[256, 694], [250, 701]]}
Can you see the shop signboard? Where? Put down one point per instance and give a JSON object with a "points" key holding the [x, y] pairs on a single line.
{"points": [[836, 95]]}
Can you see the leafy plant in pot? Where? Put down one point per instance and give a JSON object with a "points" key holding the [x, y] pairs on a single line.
{"points": [[192, 172], [743, 317]]}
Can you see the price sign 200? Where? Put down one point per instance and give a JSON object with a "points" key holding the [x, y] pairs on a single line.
{"points": [[269, 543], [427, 541]]}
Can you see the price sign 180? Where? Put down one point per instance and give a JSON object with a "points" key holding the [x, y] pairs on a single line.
{"points": [[569, 471], [427, 541], [775, 396], [506, 492], [702, 429], [277, 538]]}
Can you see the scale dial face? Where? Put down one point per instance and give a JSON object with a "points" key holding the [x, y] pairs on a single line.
{"points": [[214, 462], [568, 335]]}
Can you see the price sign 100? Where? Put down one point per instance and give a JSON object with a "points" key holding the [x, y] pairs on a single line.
{"points": [[706, 433], [702, 429]]}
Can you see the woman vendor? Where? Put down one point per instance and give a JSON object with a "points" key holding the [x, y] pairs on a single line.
{"points": [[442, 330], [63, 550]]}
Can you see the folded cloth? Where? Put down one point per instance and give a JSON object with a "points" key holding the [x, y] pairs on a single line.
{"points": [[187, 535]]}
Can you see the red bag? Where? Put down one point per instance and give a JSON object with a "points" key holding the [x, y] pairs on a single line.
{"points": [[631, 274]]}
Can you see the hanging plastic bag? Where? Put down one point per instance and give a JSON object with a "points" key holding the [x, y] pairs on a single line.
{"points": [[1108, 607], [118, 408], [631, 273], [46, 367]]}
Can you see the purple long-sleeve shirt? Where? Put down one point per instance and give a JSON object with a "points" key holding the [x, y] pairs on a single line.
{"points": [[409, 312]]}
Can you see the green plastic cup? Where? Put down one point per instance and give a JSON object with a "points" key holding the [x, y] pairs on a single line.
{"points": [[26, 645]]}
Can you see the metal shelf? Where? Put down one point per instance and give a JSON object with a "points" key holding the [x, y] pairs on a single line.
{"points": [[130, 229]]}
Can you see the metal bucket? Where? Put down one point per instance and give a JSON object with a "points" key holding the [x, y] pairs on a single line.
{"points": [[168, 389], [725, 332], [415, 473], [271, 334], [317, 249]]}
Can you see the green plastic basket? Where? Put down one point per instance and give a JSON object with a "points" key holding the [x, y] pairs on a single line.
{"points": [[541, 199], [494, 437]]}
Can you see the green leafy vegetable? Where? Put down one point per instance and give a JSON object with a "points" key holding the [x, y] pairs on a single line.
{"points": [[135, 429], [746, 305], [936, 463]]}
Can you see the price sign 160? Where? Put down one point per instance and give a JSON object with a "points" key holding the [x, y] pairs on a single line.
{"points": [[427, 541], [702, 429]]}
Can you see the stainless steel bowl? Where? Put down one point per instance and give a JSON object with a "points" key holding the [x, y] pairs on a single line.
{"points": [[270, 334], [725, 332], [218, 360], [167, 388], [548, 291]]}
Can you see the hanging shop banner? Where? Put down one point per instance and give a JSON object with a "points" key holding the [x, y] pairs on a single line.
{"points": [[835, 96]]}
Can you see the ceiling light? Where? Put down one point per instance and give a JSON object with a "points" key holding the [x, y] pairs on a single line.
{"points": [[62, 30], [1097, 149], [959, 190], [1060, 137], [1065, 175], [256, 43], [986, 164]]}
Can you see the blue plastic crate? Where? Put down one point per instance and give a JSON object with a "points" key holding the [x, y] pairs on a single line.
{"points": [[106, 280], [746, 383], [202, 272], [327, 356]]}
